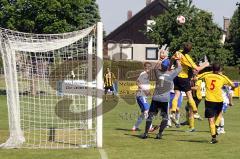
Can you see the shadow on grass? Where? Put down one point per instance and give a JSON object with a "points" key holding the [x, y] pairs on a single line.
{"points": [[65, 143], [175, 130], [123, 129], [140, 136], [186, 131], [194, 141], [135, 135]]}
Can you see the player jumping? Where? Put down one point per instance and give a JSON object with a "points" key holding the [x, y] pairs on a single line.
{"points": [[182, 82]]}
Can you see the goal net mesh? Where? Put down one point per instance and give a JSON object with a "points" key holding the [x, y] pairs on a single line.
{"points": [[51, 88]]}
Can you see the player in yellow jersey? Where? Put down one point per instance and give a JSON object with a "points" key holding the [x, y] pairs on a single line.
{"points": [[214, 100], [182, 82], [109, 78]]}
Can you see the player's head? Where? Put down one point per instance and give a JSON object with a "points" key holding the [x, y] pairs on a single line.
{"points": [[147, 66], [164, 65], [216, 68], [187, 47]]}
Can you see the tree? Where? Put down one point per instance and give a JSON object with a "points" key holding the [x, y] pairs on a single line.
{"points": [[234, 36], [198, 29], [48, 16]]}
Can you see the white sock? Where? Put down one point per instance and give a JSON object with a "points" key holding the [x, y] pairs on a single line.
{"points": [[222, 122], [177, 117]]}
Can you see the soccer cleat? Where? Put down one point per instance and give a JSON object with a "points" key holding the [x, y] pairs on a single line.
{"points": [[191, 130], [144, 136], [155, 127], [221, 131], [196, 116], [177, 125], [200, 118], [158, 136], [184, 123], [213, 141], [135, 129]]}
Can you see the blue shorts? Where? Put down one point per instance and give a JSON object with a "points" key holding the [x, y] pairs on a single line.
{"points": [[225, 106], [143, 103], [180, 99]]}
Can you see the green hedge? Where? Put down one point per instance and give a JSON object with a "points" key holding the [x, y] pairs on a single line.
{"points": [[124, 66], [120, 68], [232, 72]]}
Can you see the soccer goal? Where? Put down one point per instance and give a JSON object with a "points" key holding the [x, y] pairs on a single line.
{"points": [[54, 88]]}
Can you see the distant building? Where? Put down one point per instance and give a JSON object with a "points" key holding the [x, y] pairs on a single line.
{"points": [[226, 23], [128, 41]]}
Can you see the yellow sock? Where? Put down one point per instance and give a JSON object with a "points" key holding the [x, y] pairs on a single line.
{"points": [[192, 105], [218, 120], [212, 129], [191, 122], [174, 104], [187, 116]]}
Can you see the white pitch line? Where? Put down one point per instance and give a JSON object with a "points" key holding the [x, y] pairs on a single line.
{"points": [[103, 154]]}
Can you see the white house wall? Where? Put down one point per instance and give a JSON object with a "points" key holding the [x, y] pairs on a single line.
{"points": [[139, 51]]}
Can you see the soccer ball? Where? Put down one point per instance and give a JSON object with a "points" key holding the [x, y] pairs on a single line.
{"points": [[180, 20]]}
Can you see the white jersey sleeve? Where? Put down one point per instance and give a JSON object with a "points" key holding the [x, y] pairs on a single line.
{"points": [[144, 84]]}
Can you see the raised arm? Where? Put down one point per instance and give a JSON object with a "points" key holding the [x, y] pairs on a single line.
{"points": [[177, 70], [192, 64]]}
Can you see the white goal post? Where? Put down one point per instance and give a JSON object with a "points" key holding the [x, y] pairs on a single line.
{"points": [[54, 85]]}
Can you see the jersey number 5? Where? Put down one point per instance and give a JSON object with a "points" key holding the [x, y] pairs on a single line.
{"points": [[212, 86]]}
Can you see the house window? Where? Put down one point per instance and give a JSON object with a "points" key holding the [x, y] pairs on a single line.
{"points": [[151, 53], [126, 53]]}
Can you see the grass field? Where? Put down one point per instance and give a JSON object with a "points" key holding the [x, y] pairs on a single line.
{"points": [[121, 143]]}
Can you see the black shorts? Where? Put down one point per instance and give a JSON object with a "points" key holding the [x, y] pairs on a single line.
{"points": [[213, 109], [182, 84], [156, 106], [108, 88]]}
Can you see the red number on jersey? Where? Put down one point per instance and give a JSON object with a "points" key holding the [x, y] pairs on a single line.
{"points": [[212, 86]]}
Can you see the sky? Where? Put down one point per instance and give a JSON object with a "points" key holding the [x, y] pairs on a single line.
{"points": [[114, 12]]}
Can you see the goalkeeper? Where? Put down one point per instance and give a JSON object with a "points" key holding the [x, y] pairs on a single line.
{"points": [[161, 96]]}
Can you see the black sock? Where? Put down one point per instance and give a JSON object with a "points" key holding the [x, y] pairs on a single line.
{"points": [[163, 125], [214, 136], [148, 123]]}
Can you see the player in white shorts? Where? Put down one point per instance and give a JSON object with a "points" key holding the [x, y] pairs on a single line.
{"points": [[142, 93], [227, 101]]}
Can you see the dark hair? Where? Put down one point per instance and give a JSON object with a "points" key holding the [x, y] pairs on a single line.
{"points": [[216, 67], [187, 47], [147, 63]]}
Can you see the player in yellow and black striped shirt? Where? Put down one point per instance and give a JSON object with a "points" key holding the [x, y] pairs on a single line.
{"points": [[109, 79], [182, 82], [214, 99]]}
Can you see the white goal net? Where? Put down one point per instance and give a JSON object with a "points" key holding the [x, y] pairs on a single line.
{"points": [[54, 88]]}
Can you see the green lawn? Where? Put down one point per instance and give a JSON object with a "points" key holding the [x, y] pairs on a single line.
{"points": [[121, 143]]}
